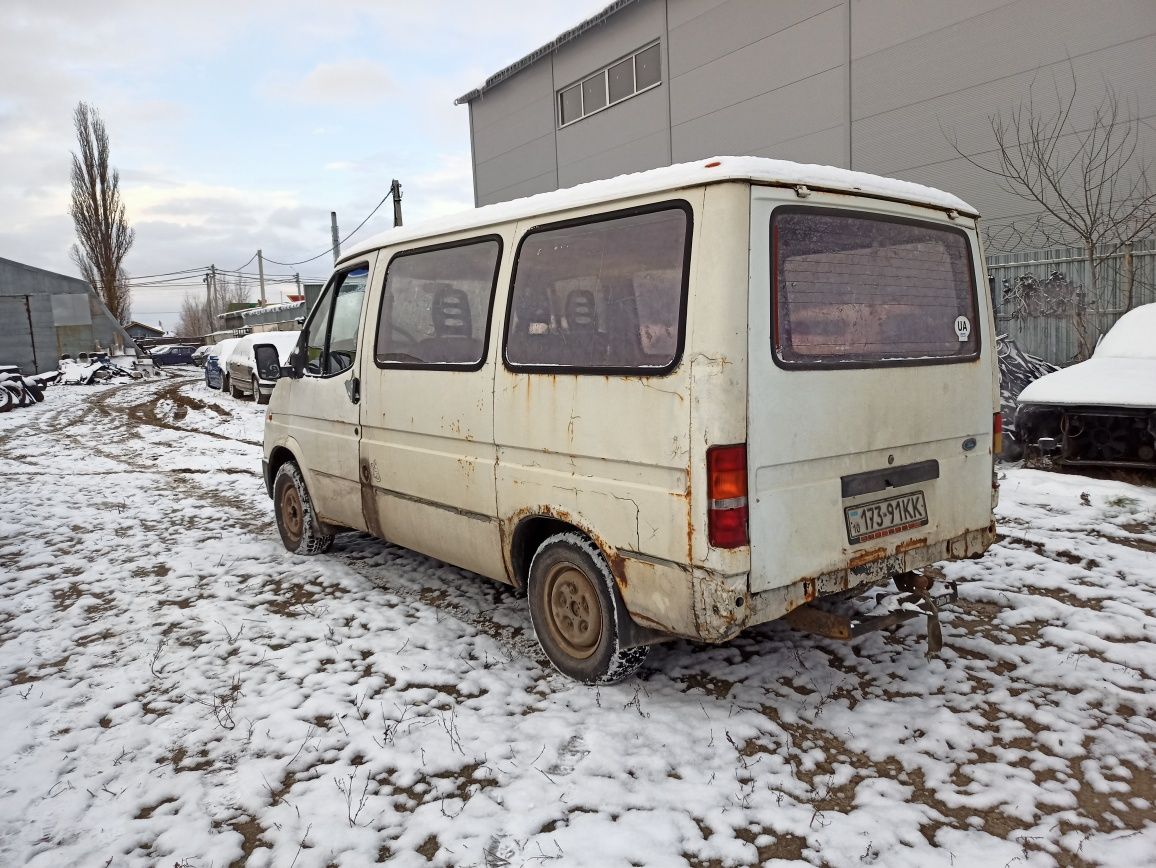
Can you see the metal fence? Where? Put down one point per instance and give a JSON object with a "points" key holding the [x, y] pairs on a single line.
{"points": [[1043, 325]]}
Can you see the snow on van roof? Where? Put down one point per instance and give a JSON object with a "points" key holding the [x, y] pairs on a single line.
{"points": [[781, 173]]}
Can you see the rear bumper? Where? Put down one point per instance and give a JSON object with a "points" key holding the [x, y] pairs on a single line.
{"points": [[772, 604], [700, 604]]}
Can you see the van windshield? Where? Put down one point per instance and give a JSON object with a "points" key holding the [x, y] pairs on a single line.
{"points": [[857, 290]]}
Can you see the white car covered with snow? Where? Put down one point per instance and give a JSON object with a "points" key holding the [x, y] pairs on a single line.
{"points": [[1102, 411], [242, 369]]}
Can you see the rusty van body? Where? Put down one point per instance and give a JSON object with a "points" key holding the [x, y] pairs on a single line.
{"points": [[677, 403]]}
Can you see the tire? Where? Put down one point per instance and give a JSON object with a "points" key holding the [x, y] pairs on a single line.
{"points": [[233, 390], [257, 392], [6, 400], [36, 392], [577, 611], [297, 522]]}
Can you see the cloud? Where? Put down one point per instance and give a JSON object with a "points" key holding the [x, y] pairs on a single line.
{"points": [[356, 81]]}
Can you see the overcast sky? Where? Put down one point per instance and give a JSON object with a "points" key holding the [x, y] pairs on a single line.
{"points": [[239, 124]]}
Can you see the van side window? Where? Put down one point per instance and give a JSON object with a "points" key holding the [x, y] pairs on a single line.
{"points": [[435, 308], [602, 295], [331, 335]]}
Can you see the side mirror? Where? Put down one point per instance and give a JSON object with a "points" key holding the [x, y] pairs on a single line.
{"points": [[268, 362]]}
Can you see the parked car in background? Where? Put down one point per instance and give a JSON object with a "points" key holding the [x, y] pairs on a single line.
{"points": [[172, 354], [242, 369], [1101, 412], [200, 354], [216, 374]]}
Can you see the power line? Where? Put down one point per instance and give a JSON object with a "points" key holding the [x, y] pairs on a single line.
{"points": [[251, 258], [329, 250]]}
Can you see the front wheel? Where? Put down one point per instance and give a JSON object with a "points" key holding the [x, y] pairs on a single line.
{"points": [[577, 612], [297, 522]]}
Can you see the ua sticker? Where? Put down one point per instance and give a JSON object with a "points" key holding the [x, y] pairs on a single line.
{"points": [[962, 328]]}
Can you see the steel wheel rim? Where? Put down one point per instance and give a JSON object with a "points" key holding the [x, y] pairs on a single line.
{"points": [[292, 513], [573, 611]]}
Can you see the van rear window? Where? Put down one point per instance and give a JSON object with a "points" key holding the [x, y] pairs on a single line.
{"points": [[604, 294], [855, 290]]}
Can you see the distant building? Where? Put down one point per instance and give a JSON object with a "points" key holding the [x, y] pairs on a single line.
{"points": [[44, 315], [141, 331], [873, 85], [244, 319]]}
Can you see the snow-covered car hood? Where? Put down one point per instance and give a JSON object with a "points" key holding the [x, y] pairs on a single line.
{"points": [[1100, 381]]}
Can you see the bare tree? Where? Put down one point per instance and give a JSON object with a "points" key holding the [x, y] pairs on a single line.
{"points": [[102, 232], [1086, 181], [195, 318]]}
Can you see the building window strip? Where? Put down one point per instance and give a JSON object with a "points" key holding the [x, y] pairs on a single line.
{"points": [[592, 94]]}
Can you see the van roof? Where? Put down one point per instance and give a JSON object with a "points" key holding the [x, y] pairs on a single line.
{"points": [[779, 173]]}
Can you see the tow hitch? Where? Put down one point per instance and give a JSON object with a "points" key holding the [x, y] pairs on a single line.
{"points": [[912, 598]]}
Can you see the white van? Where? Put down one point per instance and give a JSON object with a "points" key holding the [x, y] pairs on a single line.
{"points": [[677, 403]]}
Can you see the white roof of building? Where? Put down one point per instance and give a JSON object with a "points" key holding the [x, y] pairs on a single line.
{"points": [[780, 173], [538, 53]]}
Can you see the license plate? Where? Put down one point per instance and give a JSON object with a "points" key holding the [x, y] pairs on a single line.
{"points": [[880, 518]]}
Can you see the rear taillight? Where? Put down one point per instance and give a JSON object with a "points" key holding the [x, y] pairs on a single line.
{"points": [[996, 434], [726, 487]]}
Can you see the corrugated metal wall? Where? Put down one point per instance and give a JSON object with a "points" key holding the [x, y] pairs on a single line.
{"points": [[1029, 289]]}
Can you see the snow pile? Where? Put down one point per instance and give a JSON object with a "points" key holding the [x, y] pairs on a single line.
{"points": [[176, 689], [1131, 336], [1121, 372]]}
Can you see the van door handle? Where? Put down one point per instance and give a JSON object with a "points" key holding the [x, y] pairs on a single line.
{"points": [[353, 389]]}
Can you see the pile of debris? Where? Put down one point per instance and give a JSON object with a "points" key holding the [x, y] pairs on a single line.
{"points": [[1017, 369], [89, 368]]}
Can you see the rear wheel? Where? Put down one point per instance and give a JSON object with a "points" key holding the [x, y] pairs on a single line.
{"points": [[577, 612], [297, 522], [6, 400], [257, 396], [224, 382], [234, 391]]}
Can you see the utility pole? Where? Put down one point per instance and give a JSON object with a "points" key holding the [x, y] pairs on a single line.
{"points": [[208, 300], [297, 277], [336, 237], [395, 189], [261, 275], [213, 295]]}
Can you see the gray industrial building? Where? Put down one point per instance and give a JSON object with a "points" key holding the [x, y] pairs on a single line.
{"points": [[45, 315], [874, 85]]}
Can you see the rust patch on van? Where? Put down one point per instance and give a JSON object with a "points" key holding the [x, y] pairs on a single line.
{"points": [[685, 497], [369, 501], [507, 527], [910, 544], [867, 557]]}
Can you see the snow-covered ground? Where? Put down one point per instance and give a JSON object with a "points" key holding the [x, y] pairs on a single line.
{"points": [[177, 689]]}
